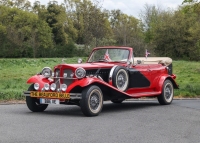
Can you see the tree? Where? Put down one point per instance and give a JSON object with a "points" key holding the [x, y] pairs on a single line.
{"points": [[192, 11], [56, 18], [127, 31], [90, 22], [23, 30], [19, 4], [124, 27], [190, 1], [150, 17]]}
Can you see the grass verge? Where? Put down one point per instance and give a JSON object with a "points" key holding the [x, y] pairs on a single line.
{"points": [[188, 75], [15, 72]]}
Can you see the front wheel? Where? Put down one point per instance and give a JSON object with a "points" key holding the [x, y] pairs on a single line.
{"points": [[167, 94], [34, 103], [92, 101]]}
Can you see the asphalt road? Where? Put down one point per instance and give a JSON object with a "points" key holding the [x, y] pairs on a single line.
{"points": [[129, 122]]}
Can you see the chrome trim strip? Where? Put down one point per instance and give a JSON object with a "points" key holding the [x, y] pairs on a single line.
{"points": [[63, 78], [75, 96], [72, 95]]}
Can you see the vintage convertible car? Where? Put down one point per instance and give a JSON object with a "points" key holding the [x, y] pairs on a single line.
{"points": [[110, 73]]}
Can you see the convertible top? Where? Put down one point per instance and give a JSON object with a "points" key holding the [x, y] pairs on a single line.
{"points": [[153, 60]]}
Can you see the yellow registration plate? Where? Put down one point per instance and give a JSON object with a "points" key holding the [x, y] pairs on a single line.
{"points": [[50, 95]]}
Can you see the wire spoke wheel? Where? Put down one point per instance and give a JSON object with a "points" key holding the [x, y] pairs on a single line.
{"points": [[167, 94], [120, 78], [92, 101]]}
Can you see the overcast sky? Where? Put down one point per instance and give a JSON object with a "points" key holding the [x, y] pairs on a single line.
{"points": [[132, 7]]}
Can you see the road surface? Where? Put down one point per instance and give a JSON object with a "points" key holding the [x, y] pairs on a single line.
{"points": [[129, 122]]}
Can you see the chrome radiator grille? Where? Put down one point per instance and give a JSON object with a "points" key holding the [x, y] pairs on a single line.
{"points": [[59, 77], [56, 80], [68, 81]]}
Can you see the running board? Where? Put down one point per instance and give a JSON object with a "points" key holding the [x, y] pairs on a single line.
{"points": [[144, 94]]}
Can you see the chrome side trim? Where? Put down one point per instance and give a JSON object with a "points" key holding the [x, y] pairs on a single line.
{"points": [[75, 96], [99, 77], [111, 73], [26, 93], [72, 95]]}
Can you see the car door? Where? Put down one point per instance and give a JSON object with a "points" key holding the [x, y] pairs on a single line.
{"points": [[139, 76]]}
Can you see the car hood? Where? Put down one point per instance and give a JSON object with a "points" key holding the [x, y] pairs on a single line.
{"points": [[86, 65]]}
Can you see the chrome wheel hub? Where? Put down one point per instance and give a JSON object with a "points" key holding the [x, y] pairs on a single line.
{"points": [[168, 92], [121, 80], [94, 101]]}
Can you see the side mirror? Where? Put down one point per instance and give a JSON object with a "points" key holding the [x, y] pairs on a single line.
{"points": [[80, 60], [129, 63]]}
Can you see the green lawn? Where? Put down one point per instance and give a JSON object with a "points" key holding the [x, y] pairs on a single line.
{"points": [[188, 78], [15, 72]]}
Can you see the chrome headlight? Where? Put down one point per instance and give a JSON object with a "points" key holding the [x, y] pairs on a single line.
{"points": [[36, 86], [80, 73], [63, 87], [53, 87], [46, 86], [80, 60], [47, 72]]}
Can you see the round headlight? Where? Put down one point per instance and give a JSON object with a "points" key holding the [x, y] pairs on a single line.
{"points": [[36, 86], [63, 87], [53, 87], [46, 86], [47, 72], [80, 60], [80, 72]]}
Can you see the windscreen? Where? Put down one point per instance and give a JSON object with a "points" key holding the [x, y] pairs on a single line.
{"points": [[109, 55]]}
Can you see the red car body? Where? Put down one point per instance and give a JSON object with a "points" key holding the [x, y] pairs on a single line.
{"points": [[102, 80]]}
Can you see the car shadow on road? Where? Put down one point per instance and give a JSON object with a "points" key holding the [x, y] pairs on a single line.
{"points": [[63, 110], [128, 105], [108, 107]]}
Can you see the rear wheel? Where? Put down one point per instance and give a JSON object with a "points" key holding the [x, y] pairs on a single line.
{"points": [[34, 103], [167, 94], [92, 101]]}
